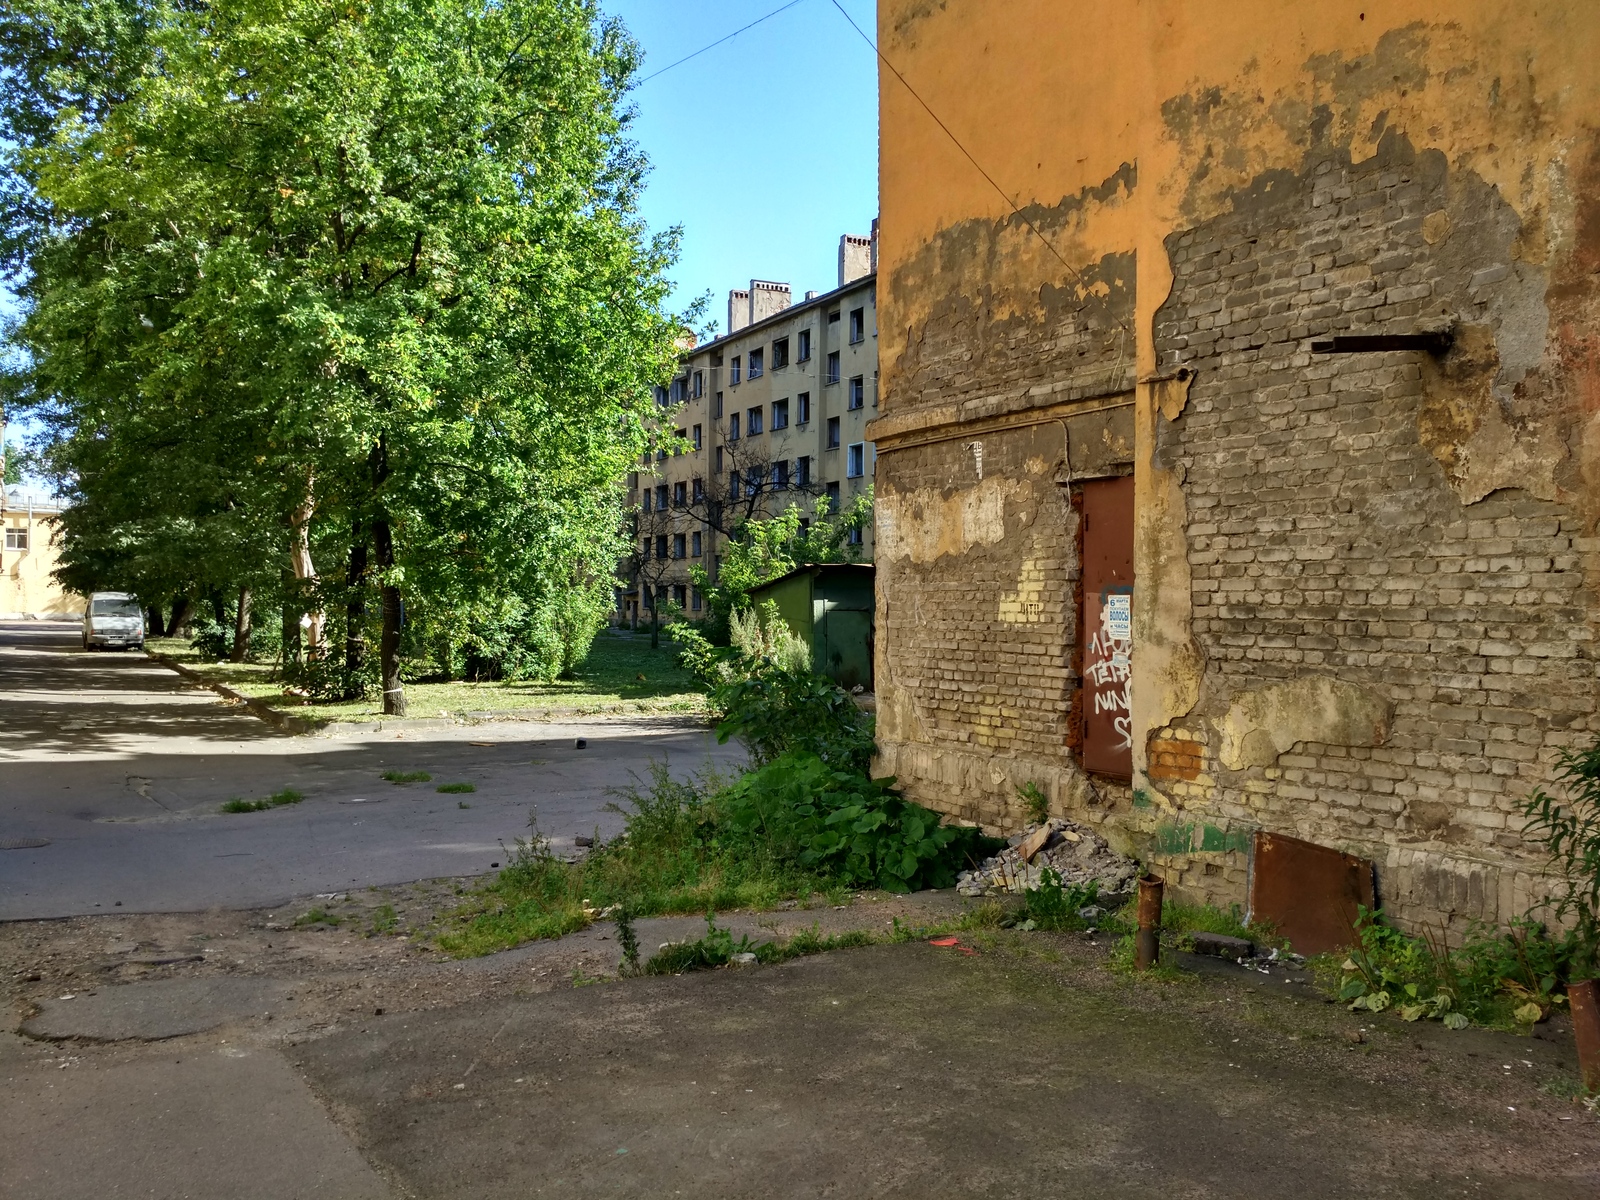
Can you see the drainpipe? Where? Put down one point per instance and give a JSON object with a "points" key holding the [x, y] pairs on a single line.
{"points": [[1584, 998], [1147, 942]]}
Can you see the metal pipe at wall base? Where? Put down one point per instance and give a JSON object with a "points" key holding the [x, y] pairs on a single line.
{"points": [[1584, 998], [1147, 941]]}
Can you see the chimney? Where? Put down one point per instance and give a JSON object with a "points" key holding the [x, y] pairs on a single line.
{"points": [[812, 294], [767, 299], [738, 310], [874, 245], [855, 258]]}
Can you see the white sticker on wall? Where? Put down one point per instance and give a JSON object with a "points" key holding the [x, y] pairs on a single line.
{"points": [[1119, 616]]}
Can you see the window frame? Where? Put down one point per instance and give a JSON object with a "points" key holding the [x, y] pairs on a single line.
{"points": [[803, 405], [18, 540], [835, 436], [858, 392], [858, 326], [733, 427], [855, 460], [755, 364], [831, 372], [699, 438], [696, 544], [780, 353], [699, 387], [733, 370], [780, 414], [803, 346], [802, 471], [753, 423]]}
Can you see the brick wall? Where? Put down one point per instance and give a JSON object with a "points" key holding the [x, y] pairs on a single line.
{"points": [[1330, 532]]}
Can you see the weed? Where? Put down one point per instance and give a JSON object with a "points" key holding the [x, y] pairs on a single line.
{"points": [[1051, 906], [276, 800], [319, 916], [462, 804], [628, 940], [1035, 804], [1570, 830], [456, 789], [384, 920], [407, 777], [715, 948]]}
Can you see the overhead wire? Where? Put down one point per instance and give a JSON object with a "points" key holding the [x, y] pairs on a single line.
{"points": [[719, 41]]}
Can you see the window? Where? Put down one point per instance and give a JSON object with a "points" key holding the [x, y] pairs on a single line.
{"points": [[752, 480], [698, 438], [680, 545], [780, 353], [661, 545], [699, 384], [780, 474], [756, 363], [733, 485], [780, 415], [833, 433], [661, 496], [803, 350], [858, 325], [753, 425], [733, 370], [644, 459], [16, 539], [694, 596], [718, 467], [645, 500], [680, 594], [833, 366], [716, 408], [858, 391], [855, 460], [680, 494], [733, 428], [833, 496], [633, 480], [661, 395], [855, 536], [661, 454], [802, 404], [676, 393], [644, 550], [833, 317], [699, 490], [802, 471], [694, 547], [682, 435]]}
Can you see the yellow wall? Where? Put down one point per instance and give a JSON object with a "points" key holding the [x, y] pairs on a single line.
{"points": [[26, 588]]}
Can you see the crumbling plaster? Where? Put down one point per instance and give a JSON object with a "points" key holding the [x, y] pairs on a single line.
{"points": [[1191, 112]]}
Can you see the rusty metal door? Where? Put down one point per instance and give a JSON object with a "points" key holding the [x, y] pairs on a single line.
{"points": [[1106, 628]]}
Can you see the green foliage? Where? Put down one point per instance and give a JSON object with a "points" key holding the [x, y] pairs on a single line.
{"points": [[775, 712], [211, 640], [839, 823], [1569, 827], [318, 916], [715, 948], [1502, 978], [384, 921], [1052, 906], [456, 789], [760, 635], [1035, 804], [393, 295], [407, 777], [761, 550], [276, 800], [627, 940]]}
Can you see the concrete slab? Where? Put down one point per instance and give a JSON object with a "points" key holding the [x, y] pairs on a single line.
{"points": [[910, 1071], [164, 1008], [201, 1125]]}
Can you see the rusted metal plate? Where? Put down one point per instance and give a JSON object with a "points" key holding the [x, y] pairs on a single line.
{"points": [[1107, 627], [1308, 893]]}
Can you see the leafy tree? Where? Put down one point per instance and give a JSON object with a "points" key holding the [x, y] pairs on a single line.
{"points": [[381, 260]]}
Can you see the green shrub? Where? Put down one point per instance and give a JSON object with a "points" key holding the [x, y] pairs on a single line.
{"points": [[407, 777], [276, 800], [844, 825], [456, 789], [1051, 906], [1570, 830], [775, 712], [210, 640]]}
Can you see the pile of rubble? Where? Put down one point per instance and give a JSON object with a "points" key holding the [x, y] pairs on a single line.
{"points": [[1079, 855]]}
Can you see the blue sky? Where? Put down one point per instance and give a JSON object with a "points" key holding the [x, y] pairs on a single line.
{"points": [[764, 149]]}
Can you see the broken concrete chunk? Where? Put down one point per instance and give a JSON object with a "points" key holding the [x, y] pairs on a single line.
{"points": [[1034, 843], [1220, 945]]}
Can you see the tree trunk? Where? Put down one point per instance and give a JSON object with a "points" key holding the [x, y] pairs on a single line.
{"points": [[153, 623], [355, 612], [291, 624], [655, 622], [394, 696], [180, 614], [304, 569], [241, 628]]}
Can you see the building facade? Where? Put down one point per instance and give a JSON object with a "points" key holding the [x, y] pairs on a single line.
{"points": [[770, 415], [1240, 464], [28, 556]]}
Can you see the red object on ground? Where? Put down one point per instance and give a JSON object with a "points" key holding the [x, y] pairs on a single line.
{"points": [[944, 941]]}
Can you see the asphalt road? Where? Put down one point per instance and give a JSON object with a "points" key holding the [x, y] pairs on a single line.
{"points": [[120, 767]]}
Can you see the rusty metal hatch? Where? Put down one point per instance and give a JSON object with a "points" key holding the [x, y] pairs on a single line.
{"points": [[1106, 625], [1308, 893]]}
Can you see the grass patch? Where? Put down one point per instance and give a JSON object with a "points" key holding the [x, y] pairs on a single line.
{"points": [[318, 916], [621, 674], [276, 800], [384, 921], [456, 789], [668, 860], [407, 777]]}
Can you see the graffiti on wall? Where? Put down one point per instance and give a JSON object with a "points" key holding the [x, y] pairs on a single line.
{"points": [[1108, 664]]}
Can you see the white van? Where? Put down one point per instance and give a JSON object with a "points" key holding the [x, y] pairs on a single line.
{"points": [[113, 619]]}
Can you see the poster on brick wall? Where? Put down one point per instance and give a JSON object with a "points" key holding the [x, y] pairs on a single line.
{"points": [[1106, 628]]}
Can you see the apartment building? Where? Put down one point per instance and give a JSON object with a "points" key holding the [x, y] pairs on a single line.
{"points": [[28, 556], [771, 414]]}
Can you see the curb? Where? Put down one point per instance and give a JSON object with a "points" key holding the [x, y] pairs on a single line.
{"points": [[260, 709]]}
